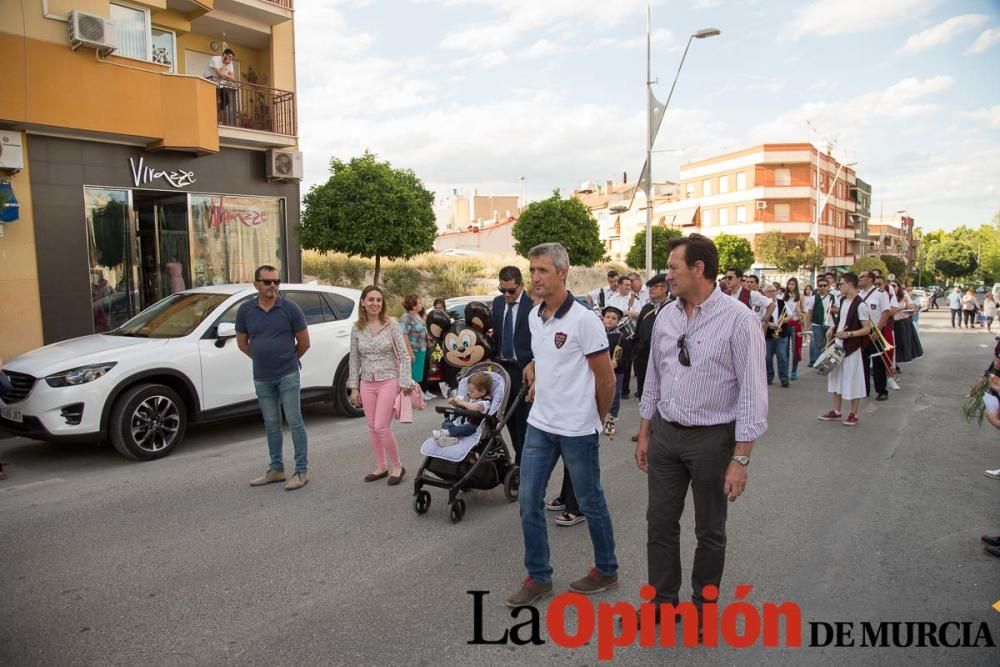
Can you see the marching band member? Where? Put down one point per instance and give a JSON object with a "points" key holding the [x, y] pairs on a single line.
{"points": [[793, 301], [819, 316], [777, 343], [907, 341], [878, 303], [847, 379], [748, 296], [888, 358]]}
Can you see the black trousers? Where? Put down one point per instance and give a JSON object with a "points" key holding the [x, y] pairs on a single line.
{"points": [[567, 495], [679, 458], [626, 363], [640, 362], [874, 369], [517, 425]]}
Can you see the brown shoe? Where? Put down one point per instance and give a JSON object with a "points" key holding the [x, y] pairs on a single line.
{"points": [[396, 479], [594, 582], [635, 438], [270, 477], [375, 476], [531, 591], [297, 481]]}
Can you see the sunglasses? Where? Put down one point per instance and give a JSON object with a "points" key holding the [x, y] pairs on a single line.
{"points": [[507, 290], [265, 281], [682, 352]]}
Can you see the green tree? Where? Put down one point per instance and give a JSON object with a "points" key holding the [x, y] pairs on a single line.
{"points": [[369, 209], [895, 265], [734, 251], [869, 263], [566, 221], [954, 259], [808, 254], [779, 251], [636, 257]]}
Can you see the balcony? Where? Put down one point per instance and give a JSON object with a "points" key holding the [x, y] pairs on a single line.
{"points": [[255, 115]]}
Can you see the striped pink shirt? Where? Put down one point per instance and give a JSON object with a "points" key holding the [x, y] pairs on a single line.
{"points": [[726, 381]]}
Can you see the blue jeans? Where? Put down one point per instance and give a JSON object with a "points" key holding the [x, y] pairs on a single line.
{"points": [[458, 430], [580, 455], [817, 342], [272, 396], [777, 347], [617, 402]]}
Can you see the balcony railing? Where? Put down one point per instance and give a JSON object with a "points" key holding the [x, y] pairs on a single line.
{"points": [[287, 4], [248, 106]]}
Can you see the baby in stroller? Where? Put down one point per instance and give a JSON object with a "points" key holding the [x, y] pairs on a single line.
{"points": [[477, 399]]}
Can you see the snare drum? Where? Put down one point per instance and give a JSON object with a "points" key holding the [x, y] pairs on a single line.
{"points": [[627, 328], [831, 357]]}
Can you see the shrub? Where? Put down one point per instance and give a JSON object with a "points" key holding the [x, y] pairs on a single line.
{"points": [[401, 279]]}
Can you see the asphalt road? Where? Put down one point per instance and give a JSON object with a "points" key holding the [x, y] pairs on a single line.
{"points": [[180, 562]]}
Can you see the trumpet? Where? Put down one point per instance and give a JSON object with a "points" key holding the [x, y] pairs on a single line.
{"points": [[882, 349]]}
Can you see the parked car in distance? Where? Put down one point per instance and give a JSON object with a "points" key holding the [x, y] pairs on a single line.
{"points": [[456, 305], [177, 362], [920, 298]]}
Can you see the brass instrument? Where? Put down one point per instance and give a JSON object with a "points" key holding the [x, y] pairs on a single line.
{"points": [[776, 326], [882, 349], [616, 355]]}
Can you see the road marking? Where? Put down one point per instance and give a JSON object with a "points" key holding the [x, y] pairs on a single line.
{"points": [[30, 485]]}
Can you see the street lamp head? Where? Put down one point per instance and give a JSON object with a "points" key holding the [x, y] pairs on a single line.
{"points": [[707, 32]]}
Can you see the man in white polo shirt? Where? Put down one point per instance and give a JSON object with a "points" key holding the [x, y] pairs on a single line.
{"points": [[573, 384]]}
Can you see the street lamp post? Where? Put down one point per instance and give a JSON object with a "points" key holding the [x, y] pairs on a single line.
{"points": [[821, 204], [654, 117]]}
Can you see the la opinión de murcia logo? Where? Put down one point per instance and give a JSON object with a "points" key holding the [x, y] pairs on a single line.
{"points": [[738, 624], [143, 173]]}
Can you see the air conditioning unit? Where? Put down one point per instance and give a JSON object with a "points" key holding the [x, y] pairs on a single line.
{"points": [[11, 154], [93, 31], [284, 165], [761, 205]]}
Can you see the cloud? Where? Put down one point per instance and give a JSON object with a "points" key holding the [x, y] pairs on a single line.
{"points": [[837, 17], [767, 86], [517, 18], [707, 4], [660, 36], [943, 32], [987, 40], [990, 116], [543, 48], [822, 84]]}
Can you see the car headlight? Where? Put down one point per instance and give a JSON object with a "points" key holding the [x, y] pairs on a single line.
{"points": [[81, 375]]}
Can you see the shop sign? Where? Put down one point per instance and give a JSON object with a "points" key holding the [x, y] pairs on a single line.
{"points": [[142, 173]]}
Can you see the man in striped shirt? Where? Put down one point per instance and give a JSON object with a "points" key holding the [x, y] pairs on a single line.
{"points": [[703, 406]]}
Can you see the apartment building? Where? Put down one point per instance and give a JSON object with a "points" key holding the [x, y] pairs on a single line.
{"points": [[137, 176], [893, 235], [861, 193], [770, 187], [620, 211], [460, 212]]}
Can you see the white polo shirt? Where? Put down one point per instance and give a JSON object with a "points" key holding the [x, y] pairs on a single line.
{"points": [[878, 301], [565, 398]]}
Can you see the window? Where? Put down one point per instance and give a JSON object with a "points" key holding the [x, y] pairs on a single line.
{"points": [[813, 172], [723, 184], [343, 307], [741, 181], [782, 212], [233, 235], [316, 309], [782, 177], [706, 187], [690, 190], [723, 216], [706, 218], [132, 29], [741, 214], [107, 214], [164, 48]]}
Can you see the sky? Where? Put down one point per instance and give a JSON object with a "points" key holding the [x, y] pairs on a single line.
{"points": [[480, 94]]}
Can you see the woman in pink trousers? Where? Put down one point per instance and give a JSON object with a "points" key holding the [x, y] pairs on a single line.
{"points": [[379, 369]]}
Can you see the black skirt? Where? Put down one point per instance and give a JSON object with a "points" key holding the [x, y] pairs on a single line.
{"points": [[907, 341]]}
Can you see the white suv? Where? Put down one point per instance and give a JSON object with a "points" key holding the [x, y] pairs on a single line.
{"points": [[174, 363]]}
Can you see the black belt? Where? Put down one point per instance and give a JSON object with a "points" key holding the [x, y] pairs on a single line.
{"points": [[691, 428]]}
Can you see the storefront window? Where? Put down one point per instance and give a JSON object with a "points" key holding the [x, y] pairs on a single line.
{"points": [[232, 236], [110, 262]]}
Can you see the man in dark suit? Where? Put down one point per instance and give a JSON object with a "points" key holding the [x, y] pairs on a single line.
{"points": [[512, 342]]}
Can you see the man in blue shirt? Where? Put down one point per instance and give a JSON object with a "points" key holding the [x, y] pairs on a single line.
{"points": [[271, 330]]}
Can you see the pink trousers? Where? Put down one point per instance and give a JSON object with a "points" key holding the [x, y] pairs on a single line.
{"points": [[377, 400]]}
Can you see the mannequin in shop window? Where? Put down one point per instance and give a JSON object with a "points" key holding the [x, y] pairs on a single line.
{"points": [[175, 274]]}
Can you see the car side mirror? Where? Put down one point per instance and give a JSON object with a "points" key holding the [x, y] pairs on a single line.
{"points": [[224, 332]]}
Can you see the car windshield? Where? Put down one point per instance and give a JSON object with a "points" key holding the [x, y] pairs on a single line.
{"points": [[173, 317]]}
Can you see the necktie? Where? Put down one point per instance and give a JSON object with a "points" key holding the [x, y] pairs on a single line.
{"points": [[507, 344]]}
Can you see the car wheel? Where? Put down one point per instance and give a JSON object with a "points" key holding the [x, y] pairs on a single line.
{"points": [[342, 395], [147, 422]]}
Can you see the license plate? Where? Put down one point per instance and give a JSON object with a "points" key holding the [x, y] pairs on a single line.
{"points": [[13, 415]]}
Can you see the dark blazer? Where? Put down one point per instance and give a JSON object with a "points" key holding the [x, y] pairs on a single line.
{"points": [[522, 334]]}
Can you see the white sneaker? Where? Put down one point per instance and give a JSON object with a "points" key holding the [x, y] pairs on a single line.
{"points": [[892, 384], [428, 396], [995, 474], [444, 389], [437, 433]]}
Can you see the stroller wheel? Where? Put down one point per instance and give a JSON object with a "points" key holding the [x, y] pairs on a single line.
{"points": [[511, 483], [457, 510], [422, 502]]}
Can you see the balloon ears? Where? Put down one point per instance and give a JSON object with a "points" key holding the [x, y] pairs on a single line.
{"points": [[479, 316], [438, 324]]}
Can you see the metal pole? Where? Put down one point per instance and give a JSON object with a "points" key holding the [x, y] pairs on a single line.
{"points": [[649, 146]]}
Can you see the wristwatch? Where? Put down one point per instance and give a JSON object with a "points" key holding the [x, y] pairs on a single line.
{"points": [[742, 460]]}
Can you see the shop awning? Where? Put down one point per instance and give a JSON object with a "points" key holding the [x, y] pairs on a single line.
{"points": [[682, 218]]}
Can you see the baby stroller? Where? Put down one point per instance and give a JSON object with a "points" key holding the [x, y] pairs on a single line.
{"points": [[478, 461]]}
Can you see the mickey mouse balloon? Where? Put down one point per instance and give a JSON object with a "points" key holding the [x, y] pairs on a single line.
{"points": [[465, 345]]}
